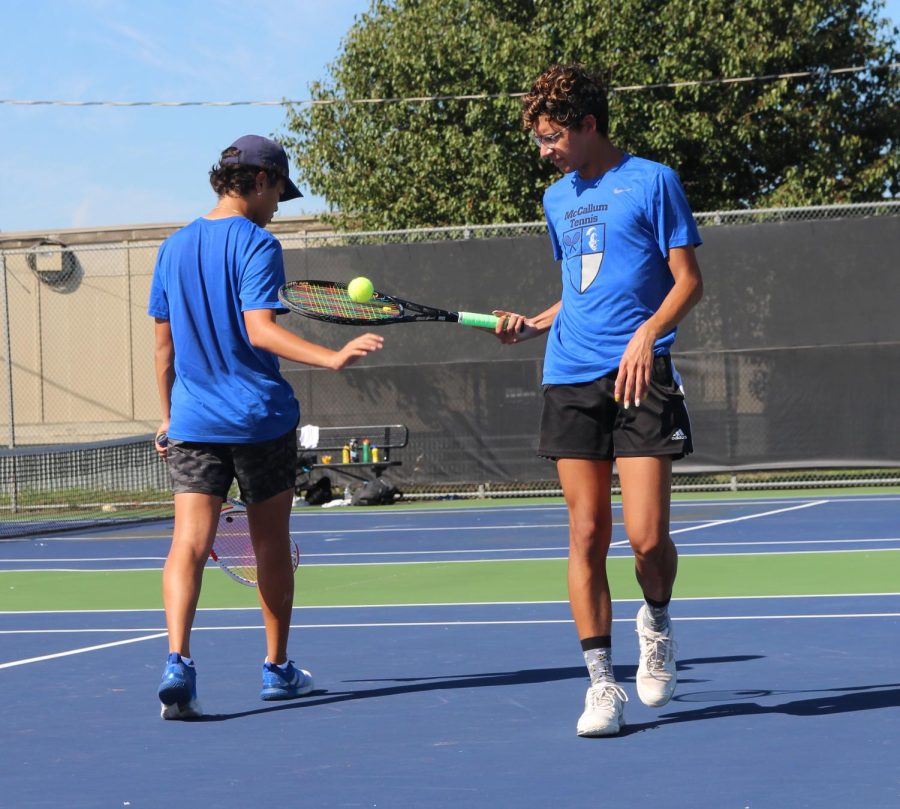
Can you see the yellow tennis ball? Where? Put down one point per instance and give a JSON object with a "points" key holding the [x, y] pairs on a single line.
{"points": [[360, 290]]}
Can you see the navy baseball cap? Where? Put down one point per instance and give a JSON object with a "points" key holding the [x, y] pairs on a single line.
{"points": [[255, 150]]}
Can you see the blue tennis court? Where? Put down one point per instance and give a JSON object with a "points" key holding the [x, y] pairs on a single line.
{"points": [[784, 698]]}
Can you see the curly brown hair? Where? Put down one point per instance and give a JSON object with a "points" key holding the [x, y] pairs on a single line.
{"points": [[233, 177], [565, 94]]}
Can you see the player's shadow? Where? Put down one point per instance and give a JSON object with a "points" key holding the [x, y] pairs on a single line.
{"points": [[627, 674], [834, 701], [411, 685]]}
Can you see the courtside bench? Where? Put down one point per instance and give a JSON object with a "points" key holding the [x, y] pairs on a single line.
{"points": [[332, 440]]}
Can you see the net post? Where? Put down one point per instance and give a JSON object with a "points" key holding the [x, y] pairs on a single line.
{"points": [[10, 405]]}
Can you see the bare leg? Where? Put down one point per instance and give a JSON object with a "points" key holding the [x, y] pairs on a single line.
{"points": [[270, 534], [196, 517], [646, 495], [646, 498], [586, 486]]}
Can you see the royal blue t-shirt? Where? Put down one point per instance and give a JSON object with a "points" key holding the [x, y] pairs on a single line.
{"points": [[612, 235], [207, 274]]}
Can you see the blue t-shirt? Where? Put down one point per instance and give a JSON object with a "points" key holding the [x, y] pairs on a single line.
{"points": [[207, 274], [612, 236]]}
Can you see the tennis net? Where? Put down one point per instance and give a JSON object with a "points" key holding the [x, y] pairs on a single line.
{"points": [[65, 486]]}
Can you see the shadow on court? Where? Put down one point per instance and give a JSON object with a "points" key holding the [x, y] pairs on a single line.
{"points": [[414, 685], [849, 700], [411, 685]]}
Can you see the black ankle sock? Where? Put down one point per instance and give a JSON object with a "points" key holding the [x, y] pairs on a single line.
{"points": [[596, 642]]}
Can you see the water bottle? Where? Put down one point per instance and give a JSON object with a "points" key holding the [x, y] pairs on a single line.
{"points": [[366, 451], [354, 451]]}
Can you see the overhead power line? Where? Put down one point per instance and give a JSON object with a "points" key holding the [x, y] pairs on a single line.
{"points": [[819, 73]]}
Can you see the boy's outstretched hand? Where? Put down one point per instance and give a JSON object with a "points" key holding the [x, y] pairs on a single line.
{"points": [[357, 348]]}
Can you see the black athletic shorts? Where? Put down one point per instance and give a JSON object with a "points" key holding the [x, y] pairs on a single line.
{"points": [[583, 420], [262, 470]]}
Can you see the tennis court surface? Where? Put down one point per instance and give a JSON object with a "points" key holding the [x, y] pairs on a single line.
{"points": [[448, 670]]}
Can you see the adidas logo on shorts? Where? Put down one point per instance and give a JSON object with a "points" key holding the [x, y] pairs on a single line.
{"points": [[679, 435]]}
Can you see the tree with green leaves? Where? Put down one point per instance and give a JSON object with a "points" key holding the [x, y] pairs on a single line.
{"points": [[384, 159]]}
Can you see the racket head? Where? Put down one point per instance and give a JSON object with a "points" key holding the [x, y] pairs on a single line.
{"points": [[232, 548], [329, 301]]}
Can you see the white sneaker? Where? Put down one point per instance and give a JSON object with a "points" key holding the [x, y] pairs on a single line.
{"points": [[604, 711], [656, 676]]}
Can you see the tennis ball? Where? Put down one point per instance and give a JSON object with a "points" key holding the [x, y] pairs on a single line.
{"points": [[360, 290]]}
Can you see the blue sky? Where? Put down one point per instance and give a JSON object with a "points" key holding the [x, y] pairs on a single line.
{"points": [[65, 167], [68, 167]]}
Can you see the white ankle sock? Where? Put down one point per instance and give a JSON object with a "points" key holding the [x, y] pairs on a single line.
{"points": [[657, 618], [599, 665]]}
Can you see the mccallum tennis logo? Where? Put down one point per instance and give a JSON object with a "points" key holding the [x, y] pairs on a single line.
{"points": [[583, 250], [584, 210]]}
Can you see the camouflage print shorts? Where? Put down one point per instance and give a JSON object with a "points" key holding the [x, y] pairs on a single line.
{"points": [[262, 470]]}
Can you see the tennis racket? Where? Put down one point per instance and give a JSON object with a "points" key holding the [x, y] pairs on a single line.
{"points": [[329, 301], [232, 550]]}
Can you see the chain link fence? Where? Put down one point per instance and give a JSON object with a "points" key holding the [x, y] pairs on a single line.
{"points": [[467, 232], [77, 353]]}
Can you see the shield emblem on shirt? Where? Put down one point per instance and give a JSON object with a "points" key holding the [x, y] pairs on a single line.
{"points": [[583, 250]]}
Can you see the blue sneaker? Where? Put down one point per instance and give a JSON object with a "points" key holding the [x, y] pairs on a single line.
{"points": [[288, 684], [178, 690]]}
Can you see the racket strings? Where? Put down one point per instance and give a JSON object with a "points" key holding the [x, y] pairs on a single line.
{"points": [[233, 548], [331, 300]]}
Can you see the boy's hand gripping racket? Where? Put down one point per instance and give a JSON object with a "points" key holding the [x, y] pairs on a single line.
{"points": [[329, 301], [232, 549]]}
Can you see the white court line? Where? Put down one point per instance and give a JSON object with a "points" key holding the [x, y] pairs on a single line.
{"points": [[425, 529], [429, 529], [211, 566], [88, 631], [328, 555], [755, 553], [617, 544], [381, 529], [419, 605], [749, 517], [444, 623], [83, 650], [623, 543], [536, 621], [304, 555], [841, 499], [88, 559], [676, 503], [755, 542]]}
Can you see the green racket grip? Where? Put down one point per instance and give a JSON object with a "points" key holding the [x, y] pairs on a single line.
{"points": [[475, 319]]}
